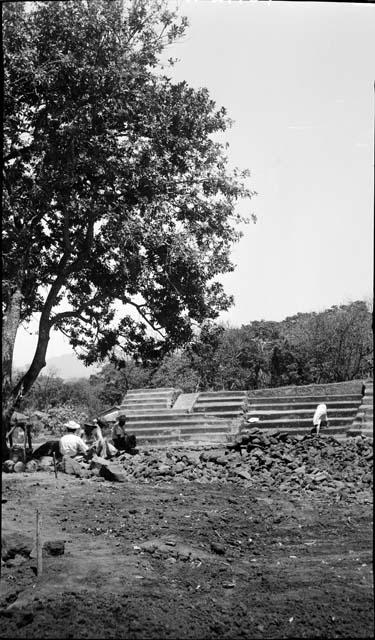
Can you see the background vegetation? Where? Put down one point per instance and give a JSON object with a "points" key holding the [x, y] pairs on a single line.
{"points": [[333, 346]]}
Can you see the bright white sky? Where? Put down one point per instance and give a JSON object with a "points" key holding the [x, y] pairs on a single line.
{"points": [[298, 80]]}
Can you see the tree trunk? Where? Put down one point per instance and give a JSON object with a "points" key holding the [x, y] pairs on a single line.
{"points": [[13, 396], [11, 320]]}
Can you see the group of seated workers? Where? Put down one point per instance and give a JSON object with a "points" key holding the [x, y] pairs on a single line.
{"points": [[82, 444]]}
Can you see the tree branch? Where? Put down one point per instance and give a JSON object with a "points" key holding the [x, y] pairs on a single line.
{"points": [[144, 316]]}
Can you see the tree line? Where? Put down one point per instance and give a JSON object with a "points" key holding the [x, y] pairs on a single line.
{"points": [[334, 345]]}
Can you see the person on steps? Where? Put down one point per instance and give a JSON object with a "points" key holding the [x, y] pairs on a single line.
{"points": [[320, 419]]}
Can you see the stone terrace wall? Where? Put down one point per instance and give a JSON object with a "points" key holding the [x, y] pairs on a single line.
{"points": [[349, 387]]}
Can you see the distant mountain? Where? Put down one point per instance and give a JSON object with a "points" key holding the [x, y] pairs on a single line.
{"points": [[66, 366]]}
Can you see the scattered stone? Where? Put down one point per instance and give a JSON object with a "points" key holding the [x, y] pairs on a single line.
{"points": [[54, 547], [243, 474], [24, 618], [16, 561], [45, 462], [268, 459], [8, 466], [71, 467], [179, 467], [19, 467], [31, 466], [163, 469], [113, 472], [15, 543], [218, 548]]}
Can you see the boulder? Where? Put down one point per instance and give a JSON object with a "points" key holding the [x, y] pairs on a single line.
{"points": [[15, 543], [191, 457], [71, 467], [54, 547], [108, 470], [8, 466], [242, 473], [32, 466], [179, 467], [218, 548], [19, 467], [164, 469], [45, 462]]}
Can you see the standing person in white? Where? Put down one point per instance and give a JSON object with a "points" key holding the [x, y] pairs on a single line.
{"points": [[320, 418]]}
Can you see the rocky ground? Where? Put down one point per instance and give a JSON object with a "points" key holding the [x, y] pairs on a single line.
{"points": [[272, 539]]}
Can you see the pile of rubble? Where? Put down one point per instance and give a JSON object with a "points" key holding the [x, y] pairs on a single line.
{"points": [[278, 460], [275, 459]]}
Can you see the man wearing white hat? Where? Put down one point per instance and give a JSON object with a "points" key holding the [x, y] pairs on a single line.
{"points": [[71, 444]]}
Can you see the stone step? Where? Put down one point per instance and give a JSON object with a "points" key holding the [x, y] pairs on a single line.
{"points": [[355, 397], [300, 413], [162, 411], [173, 420], [311, 406], [369, 433], [207, 395], [156, 390], [303, 430], [150, 394], [220, 414], [143, 430], [358, 430], [292, 422], [369, 411], [148, 398], [127, 406], [170, 439], [218, 406]]}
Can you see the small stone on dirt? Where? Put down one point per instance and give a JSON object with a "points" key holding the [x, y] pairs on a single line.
{"points": [[54, 547], [218, 548]]}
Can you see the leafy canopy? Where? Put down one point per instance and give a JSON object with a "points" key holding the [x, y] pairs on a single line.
{"points": [[116, 194]]}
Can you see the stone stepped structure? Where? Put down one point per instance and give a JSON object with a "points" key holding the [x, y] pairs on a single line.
{"points": [[223, 404], [167, 416], [156, 417], [294, 414], [363, 423]]}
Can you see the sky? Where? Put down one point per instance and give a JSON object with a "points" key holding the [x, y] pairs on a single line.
{"points": [[298, 81]]}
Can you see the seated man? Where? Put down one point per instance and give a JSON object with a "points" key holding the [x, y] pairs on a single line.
{"points": [[121, 439], [94, 439], [71, 444], [320, 419]]}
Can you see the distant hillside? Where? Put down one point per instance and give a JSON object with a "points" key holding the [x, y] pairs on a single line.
{"points": [[66, 366]]}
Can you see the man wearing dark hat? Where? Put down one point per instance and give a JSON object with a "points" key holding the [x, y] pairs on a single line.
{"points": [[120, 438], [95, 441]]}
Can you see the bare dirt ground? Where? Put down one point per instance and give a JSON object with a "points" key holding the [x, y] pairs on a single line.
{"points": [[218, 561]]}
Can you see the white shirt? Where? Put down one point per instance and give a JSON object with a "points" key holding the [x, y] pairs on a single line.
{"points": [[71, 445], [320, 412]]}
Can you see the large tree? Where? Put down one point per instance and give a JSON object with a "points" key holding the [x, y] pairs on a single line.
{"points": [[117, 195]]}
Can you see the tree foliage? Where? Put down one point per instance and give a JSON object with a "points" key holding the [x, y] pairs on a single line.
{"points": [[119, 207]]}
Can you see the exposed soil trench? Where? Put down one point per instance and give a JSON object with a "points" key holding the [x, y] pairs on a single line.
{"points": [[223, 561]]}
